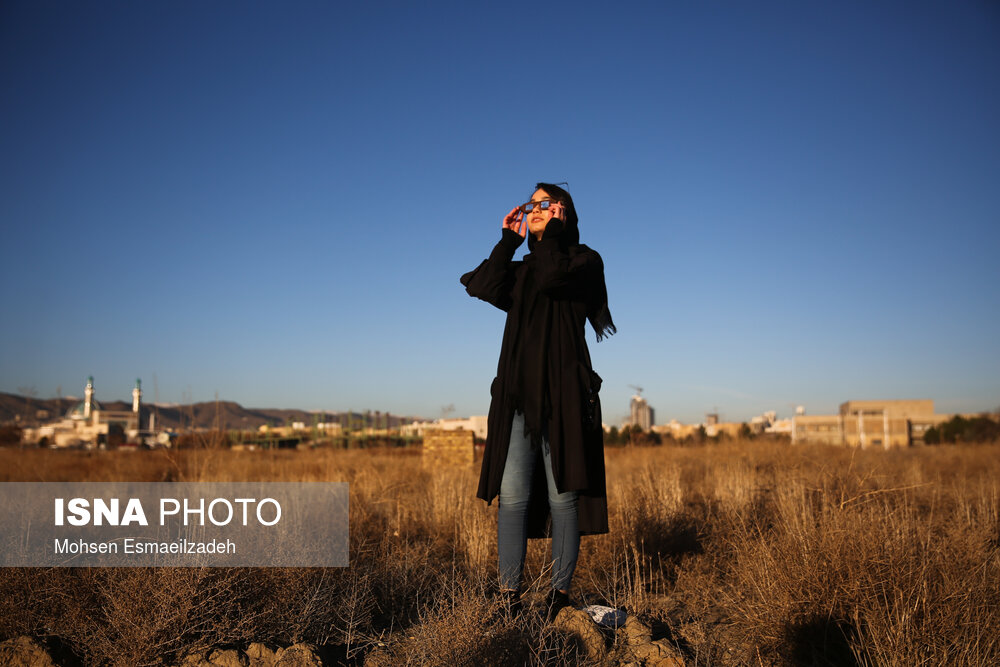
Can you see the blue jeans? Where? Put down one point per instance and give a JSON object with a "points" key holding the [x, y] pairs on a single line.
{"points": [[512, 520]]}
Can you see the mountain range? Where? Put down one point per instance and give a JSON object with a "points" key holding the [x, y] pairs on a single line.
{"points": [[29, 411]]}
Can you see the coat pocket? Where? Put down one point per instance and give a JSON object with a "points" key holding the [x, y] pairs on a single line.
{"points": [[590, 383]]}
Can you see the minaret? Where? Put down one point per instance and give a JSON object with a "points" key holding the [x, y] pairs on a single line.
{"points": [[88, 397], [136, 395]]}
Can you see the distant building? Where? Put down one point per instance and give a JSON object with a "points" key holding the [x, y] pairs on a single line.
{"points": [[475, 424], [641, 413], [889, 423], [676, 430], [679, 431], [780, 427], [731, 429], [88, 424]]}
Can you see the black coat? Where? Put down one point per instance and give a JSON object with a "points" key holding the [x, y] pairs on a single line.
{"points": [[545, 369]]}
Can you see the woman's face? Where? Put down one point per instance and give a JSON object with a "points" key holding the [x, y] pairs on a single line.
{"points": [[538, 219]]}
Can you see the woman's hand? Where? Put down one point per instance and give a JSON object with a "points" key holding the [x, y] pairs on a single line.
{"points": [[558, 210], [515, 221]]}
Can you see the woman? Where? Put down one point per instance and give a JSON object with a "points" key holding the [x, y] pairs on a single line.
{"points": [[545, 443]]}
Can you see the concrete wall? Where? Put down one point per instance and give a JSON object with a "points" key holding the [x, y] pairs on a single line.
{"points": [[876, 430], [448, 448]]}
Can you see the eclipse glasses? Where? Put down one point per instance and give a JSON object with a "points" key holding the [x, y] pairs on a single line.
{"points": [[530, 206]]}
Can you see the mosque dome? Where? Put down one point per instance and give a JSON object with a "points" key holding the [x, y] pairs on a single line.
{"points": [[77, 411]]}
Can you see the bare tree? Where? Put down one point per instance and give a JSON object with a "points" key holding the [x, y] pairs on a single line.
{"points": [[29, 394]]}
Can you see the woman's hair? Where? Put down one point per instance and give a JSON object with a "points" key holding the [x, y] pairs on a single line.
{"points": [[561, 195]]}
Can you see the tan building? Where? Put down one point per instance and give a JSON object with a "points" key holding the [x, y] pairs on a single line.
{"points": [[823, 429], [679, 431], [892, 423], [731, 429], [676, 430], [477, 424]]}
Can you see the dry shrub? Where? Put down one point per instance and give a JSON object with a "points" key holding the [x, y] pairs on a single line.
{"points": [[462, 628], [28, 596], [741, 552], [317, 605], [855, 570], [466, 627], [876, 586], [135, 616]]}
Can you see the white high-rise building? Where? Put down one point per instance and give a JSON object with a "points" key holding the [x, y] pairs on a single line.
{"points": [[642, 413]]}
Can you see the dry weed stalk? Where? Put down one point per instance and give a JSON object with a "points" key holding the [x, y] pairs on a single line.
{"points": [[742, 553]]}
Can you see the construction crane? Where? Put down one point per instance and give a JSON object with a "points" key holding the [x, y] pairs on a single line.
{"points": [[637, 389]]}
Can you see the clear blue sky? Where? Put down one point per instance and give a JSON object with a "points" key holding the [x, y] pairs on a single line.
{"points": [[796, 202]]}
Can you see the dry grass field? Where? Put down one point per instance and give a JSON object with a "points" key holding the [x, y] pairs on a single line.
{"points": [[743, 553]]}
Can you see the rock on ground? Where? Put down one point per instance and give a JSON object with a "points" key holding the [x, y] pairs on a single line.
{"points": [[24, 652], [640, 649], [260, 655], [298, 655], [579, 624], [256, 655], [215, 658], [635, 632], [657, 654], [227, 658]]}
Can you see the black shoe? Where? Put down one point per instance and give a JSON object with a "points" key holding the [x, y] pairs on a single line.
{"points": [[554, 602], [510, 603]]}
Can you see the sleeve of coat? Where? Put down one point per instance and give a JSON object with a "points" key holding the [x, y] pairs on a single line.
{"points": [[493, 280]]}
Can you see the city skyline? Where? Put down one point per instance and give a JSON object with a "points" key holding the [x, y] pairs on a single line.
{"points": [[640, 412], [795, 205]]}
